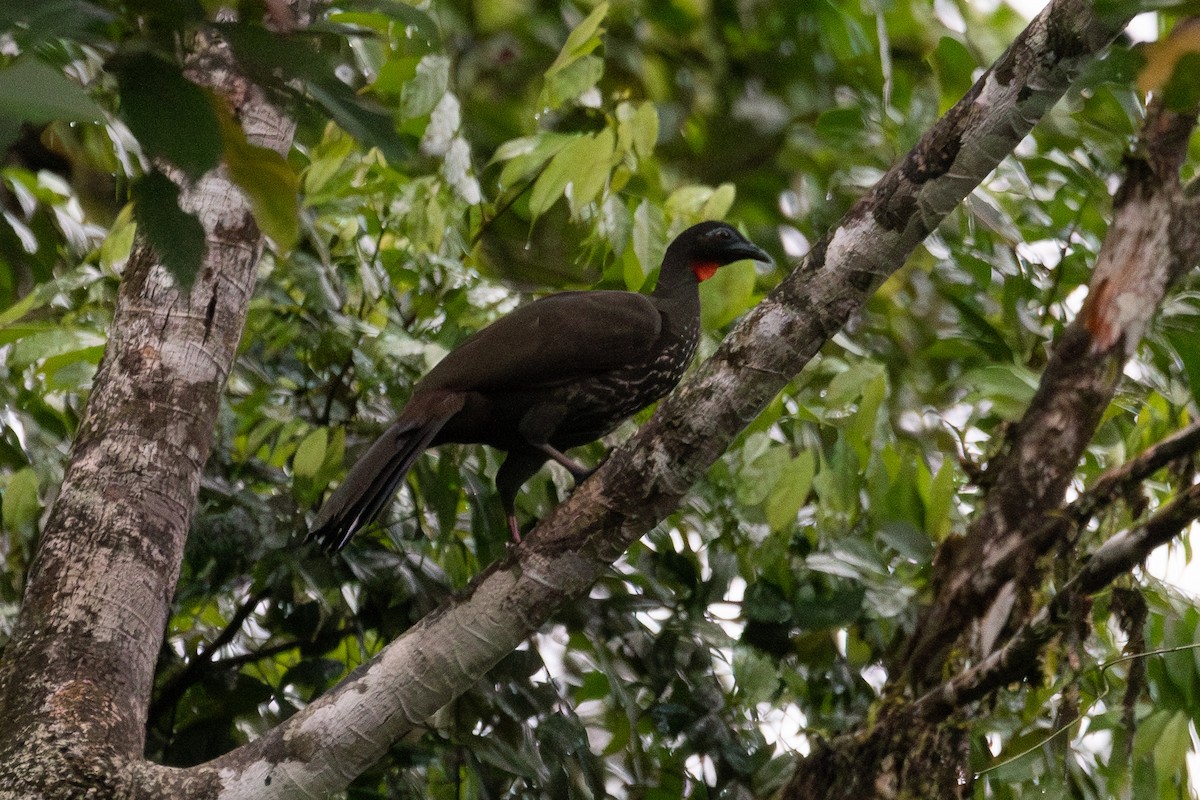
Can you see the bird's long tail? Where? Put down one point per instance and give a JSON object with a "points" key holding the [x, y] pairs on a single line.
{"points": [[372, 482]]}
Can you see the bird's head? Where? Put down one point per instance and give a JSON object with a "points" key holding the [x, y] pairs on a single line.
{"points": [[708, 246]]}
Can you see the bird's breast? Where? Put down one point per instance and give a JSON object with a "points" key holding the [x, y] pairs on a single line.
{"points": [[601, 402]]}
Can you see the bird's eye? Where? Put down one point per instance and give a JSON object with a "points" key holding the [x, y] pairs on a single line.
{"points": [[723, 233]]}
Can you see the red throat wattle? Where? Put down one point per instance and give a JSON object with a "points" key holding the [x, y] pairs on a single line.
{"points": [[705, 269]]}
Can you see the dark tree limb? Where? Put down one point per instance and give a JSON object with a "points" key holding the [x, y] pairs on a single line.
{"points": [[1153, 240], [1009, 663]]}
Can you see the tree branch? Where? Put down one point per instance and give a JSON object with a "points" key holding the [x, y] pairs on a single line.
{"points": [[1011, 662], [1153, 240], [343, 732]]}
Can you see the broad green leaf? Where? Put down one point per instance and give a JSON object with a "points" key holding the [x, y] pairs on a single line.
{"points": [[790, 491], [21, 506], [363, 119], [908, 540], [33, 23], [1187, 346], [526, 156], [940, 501], [583, 39], [269, 183], [756, 479], [954, 65], [1172, 747], [755, 675], [415, 19], [575, 70], [310, 455], [118, 244], [649, 235], [176, 236], [645, 130], [38, 346], [328, 159], [427, 86], [588, 184], [719, 203], [1149, 732], [571, 81], [572, 162], [32, 90], [831, 609], [171, 117]]}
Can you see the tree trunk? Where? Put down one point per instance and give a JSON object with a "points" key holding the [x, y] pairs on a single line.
{"points": [[77, 674]]}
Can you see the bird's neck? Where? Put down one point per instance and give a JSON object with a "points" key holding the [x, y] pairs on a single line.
{"points": [[677, 297], [677, 283]]}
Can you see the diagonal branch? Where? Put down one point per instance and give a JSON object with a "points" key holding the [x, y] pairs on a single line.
{"points": [[343, 732]]}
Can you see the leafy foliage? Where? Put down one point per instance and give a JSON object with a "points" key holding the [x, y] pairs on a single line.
{"points": [[451, 158]]}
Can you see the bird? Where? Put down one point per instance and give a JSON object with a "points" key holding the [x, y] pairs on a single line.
{"points": [[559, 372]]}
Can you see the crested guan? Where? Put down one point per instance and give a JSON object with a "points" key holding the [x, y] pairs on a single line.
{"points": [[557, 373]]}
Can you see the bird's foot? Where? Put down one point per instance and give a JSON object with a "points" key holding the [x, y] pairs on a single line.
{"points": [[578, 471], [512, 528]]}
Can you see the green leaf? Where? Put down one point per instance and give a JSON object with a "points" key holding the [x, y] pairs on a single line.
{"points": [[830, 609], [575, 70], [526, 155], [1187, 346], [414, 18], [719, 202], [171, 117], [366, 121], [572, 162], [590, 181], [583, 40], [1149, 732], [790, 491], [269, 183], [1172, 747], [33, 91], [940, 501], [571, 81], [908, 540], [755, 675], [176, 236], [649, 235], [33, 23], [21, 507], [310, 455], [429, 83], [645, 130]]}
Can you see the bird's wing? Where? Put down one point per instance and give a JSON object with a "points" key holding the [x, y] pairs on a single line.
{"points": [[551, 341]]}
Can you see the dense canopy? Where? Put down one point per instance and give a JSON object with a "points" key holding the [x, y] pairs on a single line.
{"points": [[452, 160]]}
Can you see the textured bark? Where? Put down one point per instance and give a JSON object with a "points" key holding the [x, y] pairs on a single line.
{"points": [[1153, 240], [77, 673]]}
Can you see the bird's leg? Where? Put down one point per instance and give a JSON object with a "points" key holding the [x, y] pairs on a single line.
{"points": [[519, 466], [578, 471]]}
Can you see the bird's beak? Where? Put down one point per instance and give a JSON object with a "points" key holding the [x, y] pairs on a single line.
{"points": [[748, 250]]}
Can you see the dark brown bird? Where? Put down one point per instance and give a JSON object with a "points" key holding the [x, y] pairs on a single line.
{"points": [[555, 374]]}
